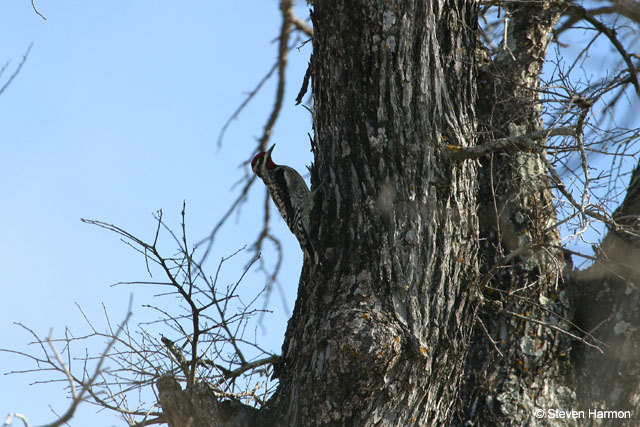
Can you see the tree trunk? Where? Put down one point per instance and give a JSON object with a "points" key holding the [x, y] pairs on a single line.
{"points": [[515, 365], [380, 329]]}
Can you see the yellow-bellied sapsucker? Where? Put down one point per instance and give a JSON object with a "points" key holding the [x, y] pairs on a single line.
{"points": [[290, 194]]}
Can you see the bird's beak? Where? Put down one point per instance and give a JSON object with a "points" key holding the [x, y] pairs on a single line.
{"points": [[270, 150]]}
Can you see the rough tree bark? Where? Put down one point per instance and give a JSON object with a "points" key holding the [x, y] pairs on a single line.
{"points": [[381, 324], [522, 369]]}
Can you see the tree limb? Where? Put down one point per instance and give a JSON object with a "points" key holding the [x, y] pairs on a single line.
{"points": [[524, 142]]}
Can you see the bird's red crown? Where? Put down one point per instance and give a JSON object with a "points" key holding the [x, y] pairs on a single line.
{"points": [[270, 164]]}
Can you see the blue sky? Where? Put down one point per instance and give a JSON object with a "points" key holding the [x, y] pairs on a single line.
{"points": [[115, 115]]}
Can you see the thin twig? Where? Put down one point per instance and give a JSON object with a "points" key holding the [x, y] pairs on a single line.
{"points": [[10, 416], [33, 4], [79, 397], [245, 102], [611, 35], [15, 73], [555, 328]]}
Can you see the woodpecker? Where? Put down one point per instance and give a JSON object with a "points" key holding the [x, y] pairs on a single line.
{"points": [[290, 194]]}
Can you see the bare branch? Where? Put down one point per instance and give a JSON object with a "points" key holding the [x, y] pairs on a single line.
{"points": [[15, 73], [33, 5], [7, 421], [234, 206], [581, 12], [524, 142], [554, 327], [286, 7], [79, 397], [299, 23], [244, 103]]}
